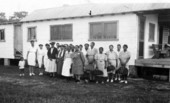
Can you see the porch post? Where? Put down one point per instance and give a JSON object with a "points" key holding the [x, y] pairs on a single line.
{"points": [[6, 62]]}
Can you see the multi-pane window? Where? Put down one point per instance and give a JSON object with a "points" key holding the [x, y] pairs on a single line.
{"points": [[61, 32], [32, 33], [151, 32], [104, 30], [2, 35]]}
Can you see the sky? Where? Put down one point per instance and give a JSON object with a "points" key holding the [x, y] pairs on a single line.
{"points": [[11, 6]]}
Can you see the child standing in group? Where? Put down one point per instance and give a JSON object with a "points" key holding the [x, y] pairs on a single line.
{"points": [[21, 66]]}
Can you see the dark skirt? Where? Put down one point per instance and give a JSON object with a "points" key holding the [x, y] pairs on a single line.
{"points": [[59, 66]]}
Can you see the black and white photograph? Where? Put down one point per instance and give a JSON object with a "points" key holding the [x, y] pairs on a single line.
{"points": [[84, 51]]}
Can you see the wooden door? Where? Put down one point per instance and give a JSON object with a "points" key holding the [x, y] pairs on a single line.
{"points": [[141, 37]]}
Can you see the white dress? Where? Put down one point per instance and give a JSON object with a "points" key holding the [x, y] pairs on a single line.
{"points": [[118, 52], [85, 57], [101, 58], [32, 56], [21, 64], [124, 56], [40, 54], [46, 62], [67, 64], [52, 66]]}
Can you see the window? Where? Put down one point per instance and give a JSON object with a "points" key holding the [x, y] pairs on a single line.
{"points": [[32, 33], [151, 32], [2, 35], [104, 31], [61, 32]]}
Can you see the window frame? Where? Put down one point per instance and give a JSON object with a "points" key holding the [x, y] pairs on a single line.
{"points": [[28, 38], [103, 30], [62, 25], [4, 36], [152, 39]]}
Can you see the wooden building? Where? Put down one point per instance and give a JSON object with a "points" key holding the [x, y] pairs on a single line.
{"points": [[137, 25]]}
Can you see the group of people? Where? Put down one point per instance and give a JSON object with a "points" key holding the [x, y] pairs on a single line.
{"points": [[80, 62]]}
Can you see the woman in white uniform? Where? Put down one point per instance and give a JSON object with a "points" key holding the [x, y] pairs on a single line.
{"points": [[67, 63], [40, 58], [32, 58], [46, 59], [101, 63]]}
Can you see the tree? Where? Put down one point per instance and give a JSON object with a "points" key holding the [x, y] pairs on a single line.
{"points": [[18, 16], [2, 17]]}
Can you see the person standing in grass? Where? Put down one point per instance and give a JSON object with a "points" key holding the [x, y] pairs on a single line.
{"points": [[124, 58], [78, 64], [40, 58], [87, 69], [32, 58], [91, 52], [112, 59], [52, 52], [117, 75], [46, 59], [21, 66], [60, 59], [66, 71], [101, 63]]}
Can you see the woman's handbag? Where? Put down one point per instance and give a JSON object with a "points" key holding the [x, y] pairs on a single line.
{"points": [[123, 70], [97, 72], [110, 68]]}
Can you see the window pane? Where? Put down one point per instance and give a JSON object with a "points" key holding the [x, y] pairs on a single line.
{"points": [[110, 30], [31, 33], [103, 30], [142, 29], [96, 31], [151, 32], [58, 32], [61, 32], [67, 32], [54, 32], [2, 35]]}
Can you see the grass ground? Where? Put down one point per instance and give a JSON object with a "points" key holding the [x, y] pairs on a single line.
{"points": [[43, 89]]}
